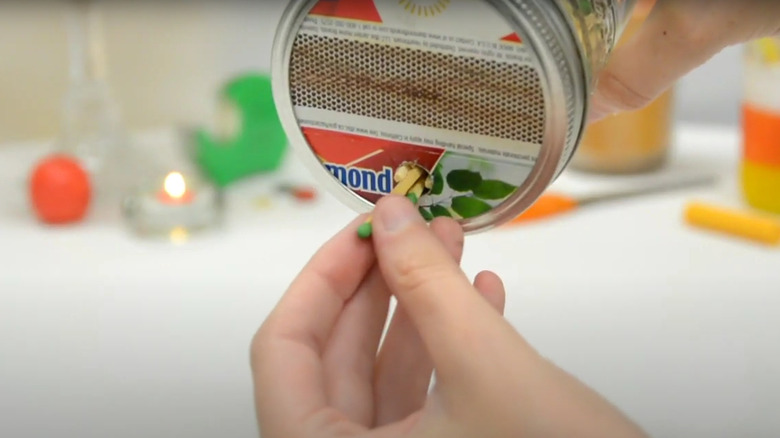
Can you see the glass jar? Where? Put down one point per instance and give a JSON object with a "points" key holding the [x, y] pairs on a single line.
{"points": [[633, 141], [489, 98], [599, 25], [760, 164]]}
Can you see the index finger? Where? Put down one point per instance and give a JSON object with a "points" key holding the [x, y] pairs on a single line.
{"points": [[309, 309], [455, 323], [287, 350]]}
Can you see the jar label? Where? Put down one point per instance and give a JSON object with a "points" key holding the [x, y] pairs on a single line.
{"points": [[445, 84]]}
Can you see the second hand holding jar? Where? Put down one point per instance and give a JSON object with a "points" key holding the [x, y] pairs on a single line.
{"points": [[631, 142], [489, 98]]}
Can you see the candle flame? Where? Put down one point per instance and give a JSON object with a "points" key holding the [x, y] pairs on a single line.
{"points": [[175, 187]]}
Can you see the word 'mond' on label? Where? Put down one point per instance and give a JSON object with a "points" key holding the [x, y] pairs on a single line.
{"points": [[364, 180]]}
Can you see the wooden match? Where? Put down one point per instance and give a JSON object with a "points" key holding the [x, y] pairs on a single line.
{"points": [[411, 185]]}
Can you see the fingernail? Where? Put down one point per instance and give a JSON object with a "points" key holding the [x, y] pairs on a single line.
{"points": [[395, 213], [600, 108], [596, 113]]}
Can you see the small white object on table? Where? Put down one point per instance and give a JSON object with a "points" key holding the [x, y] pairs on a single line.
{"points": [[103, 334]]}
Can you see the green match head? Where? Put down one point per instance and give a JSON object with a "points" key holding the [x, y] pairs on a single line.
{"points": [[364, 231]]}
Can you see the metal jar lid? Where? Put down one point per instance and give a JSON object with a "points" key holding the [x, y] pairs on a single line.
{"points": [[487, 96]]}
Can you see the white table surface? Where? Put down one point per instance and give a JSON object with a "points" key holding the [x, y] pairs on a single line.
{"points": [[105, 335]]}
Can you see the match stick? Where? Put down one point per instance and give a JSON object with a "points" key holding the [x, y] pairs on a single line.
{"points": [[364, 158], [416, 191], [411, 186]]}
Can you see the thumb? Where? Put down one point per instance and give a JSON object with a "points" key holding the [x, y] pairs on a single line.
{"points": [[439, 298]]}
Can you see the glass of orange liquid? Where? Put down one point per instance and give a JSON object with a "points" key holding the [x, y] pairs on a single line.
{"points": [[630, 142], [760, 166]]}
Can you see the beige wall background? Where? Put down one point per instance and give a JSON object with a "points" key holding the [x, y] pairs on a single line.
{"points": [[167, 59]]}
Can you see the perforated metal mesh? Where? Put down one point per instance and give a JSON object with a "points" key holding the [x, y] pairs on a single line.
{"points": [[458, 93]]}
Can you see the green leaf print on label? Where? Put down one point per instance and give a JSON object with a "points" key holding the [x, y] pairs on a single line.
{"points": [[493, 189], [438, 181], [468, 207], [463, 180], [439, 211], [465, 186]]}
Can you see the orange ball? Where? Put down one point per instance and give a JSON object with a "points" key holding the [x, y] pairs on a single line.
{"points": [[60, 190]]}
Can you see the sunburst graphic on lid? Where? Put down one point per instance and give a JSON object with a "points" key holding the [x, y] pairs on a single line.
{"points": [[425, 8]]}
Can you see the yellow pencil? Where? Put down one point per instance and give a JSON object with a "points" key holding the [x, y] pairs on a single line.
{"points": [[758, 228]]}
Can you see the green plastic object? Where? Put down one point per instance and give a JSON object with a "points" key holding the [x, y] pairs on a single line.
{"points": [[250, 138]]}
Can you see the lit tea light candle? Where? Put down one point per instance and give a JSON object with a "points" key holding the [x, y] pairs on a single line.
{"points": [[175, 190], [173, 207]]}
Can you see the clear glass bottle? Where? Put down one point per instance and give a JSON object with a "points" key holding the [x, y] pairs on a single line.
{"points": [[91, 126], [91, 120]]}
